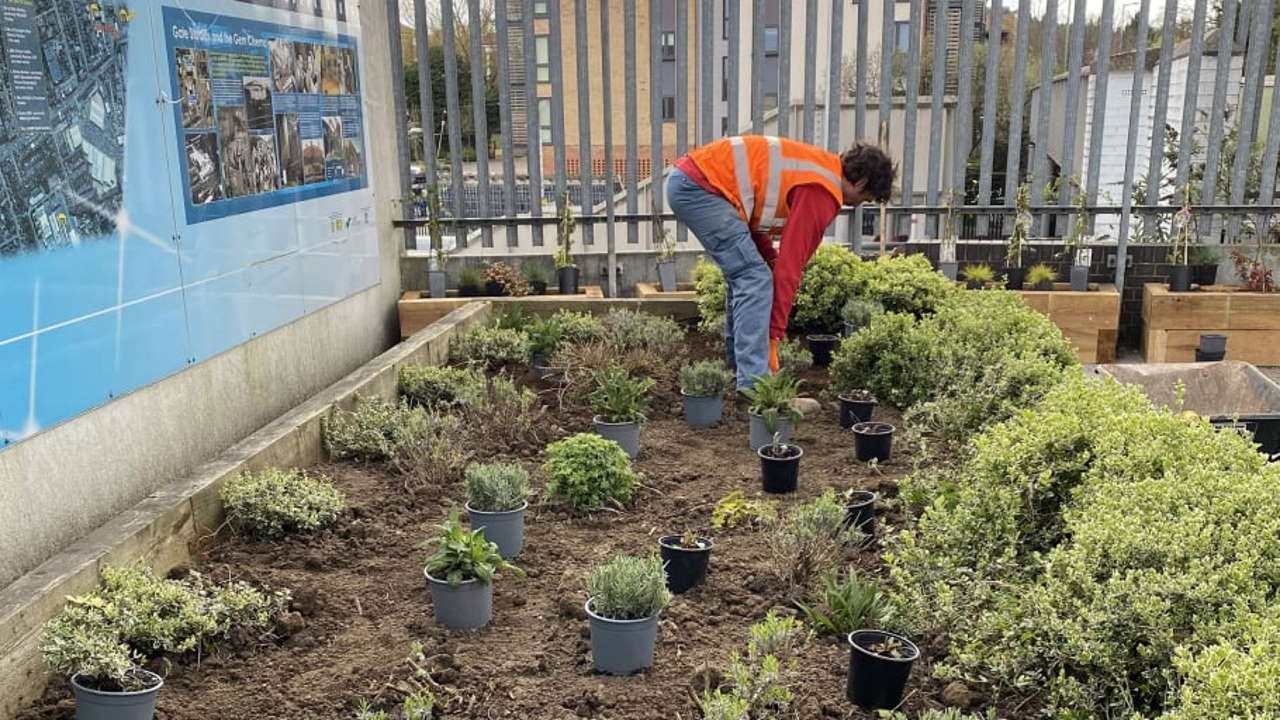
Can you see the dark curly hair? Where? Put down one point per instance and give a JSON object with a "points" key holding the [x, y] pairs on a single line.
{"points": [[863, 161]]}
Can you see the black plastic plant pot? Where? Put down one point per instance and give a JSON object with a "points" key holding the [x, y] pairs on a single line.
{"points": [[468, 291], [93, 704], [1204, 274], [1044, 285], [567, 279], [860, 512], [974, 284], [1213, 343], [854, 410], [1202, 356], [1180, 278], [539, 287], [822, 346], [877, 679], [872, 441], [686, 567], [780, 474], [493, 289], [1014, 277]]}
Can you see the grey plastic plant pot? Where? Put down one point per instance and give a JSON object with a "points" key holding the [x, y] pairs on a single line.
{"points": [[625, 434], [950, 270], [98, 705], [702, 411], [1079, 278], [758, 433], [621, 647], [504, 529], [667, 275], [466, 607], [438, 282]]}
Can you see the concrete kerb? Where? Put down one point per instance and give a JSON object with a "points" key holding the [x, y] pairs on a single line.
{"points": [[169, 525]]}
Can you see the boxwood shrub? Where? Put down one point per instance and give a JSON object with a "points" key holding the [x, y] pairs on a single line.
{"points": [[589, 472]]}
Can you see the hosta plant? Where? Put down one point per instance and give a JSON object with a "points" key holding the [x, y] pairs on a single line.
{"points": [[774, 392], [628, 588], [589, 472], [275, 502], [496, 487], [618, 397], [459, 555]]}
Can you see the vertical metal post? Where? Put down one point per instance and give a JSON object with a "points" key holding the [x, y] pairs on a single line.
{"points": [[504, 115], [533, 158], [990, 87], [1131, 147], [706, 71], [1259, 41], [810, 68], [425, 93], [1017, 98], [913, 102], [633, 179], [587, 196], [757, 67], [1217, 117], [1192, 95], [453, 114], [888, 49], [682, 94], [1048, 57], [859, 96], [401, 111], [784, 69], [964, 119], [1101, 77], [1075, 59], [1155, 167], [606, 96], [834, 91], [735, 63], [655, 108], [1270, 153], [937, 110], [557, 103], [479, 115]]}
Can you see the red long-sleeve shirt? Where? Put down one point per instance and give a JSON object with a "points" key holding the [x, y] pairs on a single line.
{"points": [[811, 210]]}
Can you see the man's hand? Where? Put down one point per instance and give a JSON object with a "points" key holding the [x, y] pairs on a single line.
{"points": [[773, 356]]}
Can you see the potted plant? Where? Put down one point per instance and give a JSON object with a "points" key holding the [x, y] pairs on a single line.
{"points": [[1041, 276], [566, 270], [978, 276], [537, 280], [856, 406], [437, 277], [624, 599], [544, 340], [879, 665], [468, 282], [1076, 245], [872, 441], [502, 279], [950, 237], [771, 392], [1013, 270], [821, 345], [460, 575], [666, 256], [685, 558], [1204, 266], [702, 387], [860, 511], [779, 461], [620, 402], [497, 496], [857, 314], [1180, 246], [105, 678]]}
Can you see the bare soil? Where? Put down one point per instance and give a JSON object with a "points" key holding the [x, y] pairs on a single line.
{"points": [[360, 600]]}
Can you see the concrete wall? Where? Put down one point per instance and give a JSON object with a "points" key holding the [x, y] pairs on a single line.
{"points": [[63, 483]]}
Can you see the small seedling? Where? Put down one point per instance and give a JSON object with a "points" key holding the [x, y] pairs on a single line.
{"points": [[890, 648], [689, 540]]}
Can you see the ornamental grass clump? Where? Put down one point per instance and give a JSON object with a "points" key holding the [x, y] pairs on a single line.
{"points": [[617, 397], [810, 539], [496, 487], [705, 378], [846, 603], [628, 588], [589, 472], [459, 555], [437, 387], [275, 502], [489, 347]]}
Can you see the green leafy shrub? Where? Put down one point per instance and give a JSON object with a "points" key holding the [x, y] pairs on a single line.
{"points": [[759, 680], [705, 378], [544, 339], [496, 487], [469, 278], [576, 327], [433, 386], [830, 278], [275, 502], [133, 616], [513, 318], [618, 397], [588, 471], [793, 358], [408, 439], [846, 603], [905, 284], [810, 539], [459, 555], [884, 358], [859, 311], [709, 287], [489, 347], [735, 510], [628, 588], [1237, 677], [626, 330]]}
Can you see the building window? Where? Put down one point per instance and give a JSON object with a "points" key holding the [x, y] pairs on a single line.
{"points": [[544, 120], [668, 46], [540, 8], [724, 78], [901, 36], [542, 56], [724, 20], [770, 101], [572, 166], [668, 107], [770, 39], [644, 167]]}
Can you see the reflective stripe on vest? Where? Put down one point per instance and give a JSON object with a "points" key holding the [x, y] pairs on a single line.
{"points": [[745, 192], [778, 164]]}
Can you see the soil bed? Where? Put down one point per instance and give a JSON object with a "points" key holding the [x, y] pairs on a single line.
{"points": [[362, 603]]}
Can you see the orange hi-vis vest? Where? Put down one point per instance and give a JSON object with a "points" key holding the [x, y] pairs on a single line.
{"points": [[757, 172]]}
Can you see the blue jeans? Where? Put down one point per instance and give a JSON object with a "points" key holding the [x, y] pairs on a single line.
{"points": [[748, 280]]}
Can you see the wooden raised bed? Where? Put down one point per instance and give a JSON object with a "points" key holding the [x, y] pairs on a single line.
{"points": [[1090, 320], [649, 290], [418, 309], [1174, 322]]}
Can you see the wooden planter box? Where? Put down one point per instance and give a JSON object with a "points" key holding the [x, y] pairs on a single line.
{"points": [[1174, 322], [649, 290], [418, 309], [1090, 320]]}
